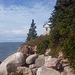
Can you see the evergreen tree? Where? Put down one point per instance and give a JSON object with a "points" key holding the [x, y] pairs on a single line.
{"points": [[32, 34]]}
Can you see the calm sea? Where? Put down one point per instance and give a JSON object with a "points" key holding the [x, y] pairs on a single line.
{"points": [[8, 48]]}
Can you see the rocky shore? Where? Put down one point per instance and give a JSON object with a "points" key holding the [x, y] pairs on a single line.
{"points": [[25, 62]]}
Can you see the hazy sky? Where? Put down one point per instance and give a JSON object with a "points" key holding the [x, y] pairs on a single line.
{"points": [[16, 17]]}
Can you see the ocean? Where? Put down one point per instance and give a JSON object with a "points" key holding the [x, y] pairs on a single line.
{"points": [[8, 48]]}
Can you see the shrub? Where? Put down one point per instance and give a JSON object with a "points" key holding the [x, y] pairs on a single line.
{"points": [[53, 53], [42, 46], [54, 38], [54, 42], [68, 50]]}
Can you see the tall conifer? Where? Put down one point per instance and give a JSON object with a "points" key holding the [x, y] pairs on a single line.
{"points": [[32, 34]]}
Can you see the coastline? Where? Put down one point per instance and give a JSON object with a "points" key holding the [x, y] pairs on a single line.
{"points": [[8, 48]]}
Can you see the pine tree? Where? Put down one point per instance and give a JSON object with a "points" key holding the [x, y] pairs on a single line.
{"points": [[32, 34]]}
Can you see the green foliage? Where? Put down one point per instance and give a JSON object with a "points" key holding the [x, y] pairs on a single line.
{"points": [[54, 53], [63, 31], [42, 46], [54, 38], [54, 41], [68, 49], [32, 32]]}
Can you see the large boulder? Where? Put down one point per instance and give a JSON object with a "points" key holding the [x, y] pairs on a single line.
{"points": [[39, 61], [47, 71], [12, 62], [24, 71], [25, 49], [53, 63], [30, 59]]}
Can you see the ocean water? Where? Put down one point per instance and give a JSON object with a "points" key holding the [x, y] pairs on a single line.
{"points": [[8, 48]]}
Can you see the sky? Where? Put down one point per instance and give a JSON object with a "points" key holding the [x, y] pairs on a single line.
{"points": [[16, 17]]}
